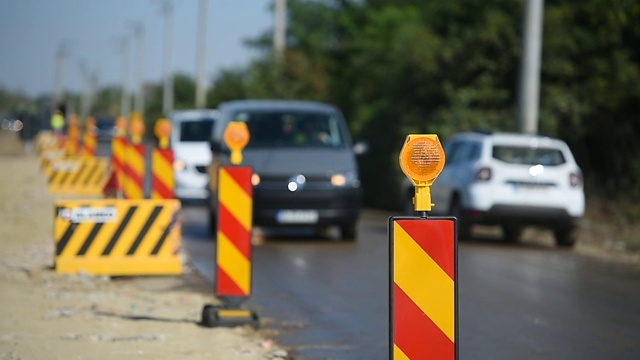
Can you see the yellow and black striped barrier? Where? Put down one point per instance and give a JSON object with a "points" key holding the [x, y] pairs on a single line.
{"points": [[77, 176], [118, 237]]}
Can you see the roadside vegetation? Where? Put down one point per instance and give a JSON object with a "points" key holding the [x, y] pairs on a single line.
{"points": [[396, 67]]}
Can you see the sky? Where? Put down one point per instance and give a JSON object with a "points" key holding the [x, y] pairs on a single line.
{"points": [[32, 30]]}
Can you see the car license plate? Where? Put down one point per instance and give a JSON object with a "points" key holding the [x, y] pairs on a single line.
{"points": [[297, 216]]}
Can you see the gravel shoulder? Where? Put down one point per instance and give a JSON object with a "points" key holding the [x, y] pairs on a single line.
{"points": [[45, 315]]}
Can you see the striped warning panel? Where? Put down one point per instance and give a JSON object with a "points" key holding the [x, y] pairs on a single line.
{"points": [[162, 180], [134, 171], [77, 176], [118, 237], [423, 288], [90, 145], [235, 217]]}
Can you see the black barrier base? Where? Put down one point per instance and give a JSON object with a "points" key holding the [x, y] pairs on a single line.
{"points": [[222, 316]]}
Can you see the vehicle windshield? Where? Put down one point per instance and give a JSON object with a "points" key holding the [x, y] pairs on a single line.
{"points": [[528, 156], [273, 129], [196, 130]]}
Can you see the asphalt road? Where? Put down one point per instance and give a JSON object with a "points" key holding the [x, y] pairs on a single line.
{"points": [[327, 299]]}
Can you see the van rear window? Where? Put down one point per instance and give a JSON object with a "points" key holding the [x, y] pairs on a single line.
{"points": [[196, 130], [528, 156]]}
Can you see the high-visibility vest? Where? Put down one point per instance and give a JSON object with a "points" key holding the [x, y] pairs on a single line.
{"points": [[57, 122]]}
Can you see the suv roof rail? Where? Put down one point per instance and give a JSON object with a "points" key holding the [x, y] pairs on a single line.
{"points": [[482, 131]]}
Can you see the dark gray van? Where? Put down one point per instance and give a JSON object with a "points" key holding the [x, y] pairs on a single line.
{"points": [[305, 171]]}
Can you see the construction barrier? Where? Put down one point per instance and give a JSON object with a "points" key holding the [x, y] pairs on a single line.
{"points": [[235, 212], [163, 183], [90, 140], [134, 171], [423, 289], [118, 237], [119, 146], [77, 176], [72, 145]]}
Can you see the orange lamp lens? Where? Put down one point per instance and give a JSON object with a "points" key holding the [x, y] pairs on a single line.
{"points": [[422, 159]]}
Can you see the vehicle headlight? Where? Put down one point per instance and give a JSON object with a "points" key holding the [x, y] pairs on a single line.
{"points": [[255, 179], [346, 179], [179, 165]]}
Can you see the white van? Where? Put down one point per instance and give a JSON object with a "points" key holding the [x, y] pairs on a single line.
{"points": [[190, 143]]}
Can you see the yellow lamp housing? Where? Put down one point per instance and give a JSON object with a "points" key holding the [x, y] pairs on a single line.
{"points": [[422, 159]]}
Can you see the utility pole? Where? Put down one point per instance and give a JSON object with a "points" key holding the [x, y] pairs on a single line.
{"points": [[86, 84], [201, 80], [93, 85], [125, 101], [529, 102], [280, 28], [61, 55], [138, 103], [167, 98]]}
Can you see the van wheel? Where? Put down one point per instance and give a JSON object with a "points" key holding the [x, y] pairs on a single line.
{"points": [[566, 237], [213, 223], [348, 232], [464, 226]]}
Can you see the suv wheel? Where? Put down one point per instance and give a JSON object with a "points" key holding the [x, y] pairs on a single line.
{"points": [[566, 237], [464, 225], [511, 233]]}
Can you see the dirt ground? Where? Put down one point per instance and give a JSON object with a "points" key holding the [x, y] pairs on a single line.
{"points": [[45, 315]]}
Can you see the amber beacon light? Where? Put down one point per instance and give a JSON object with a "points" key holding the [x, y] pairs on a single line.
{"points": [[422, 159], [236, 136]]}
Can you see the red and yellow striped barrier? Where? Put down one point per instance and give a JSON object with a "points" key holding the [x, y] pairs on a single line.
{"points": [[119, 146], [163, 183], [134, 171], [423, 294], [235, 218]]}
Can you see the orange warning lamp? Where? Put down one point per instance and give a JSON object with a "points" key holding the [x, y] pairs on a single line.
{"points": [[236, 135], [162, 130], [136, 128], [121, 126], [422, 159], [90, 126]]}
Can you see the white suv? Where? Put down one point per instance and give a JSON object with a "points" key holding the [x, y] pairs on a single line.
{"points": [[511, 180]]}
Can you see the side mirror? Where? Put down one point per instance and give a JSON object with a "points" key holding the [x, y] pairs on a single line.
{"points": [[361, 148], [216, 147]]}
